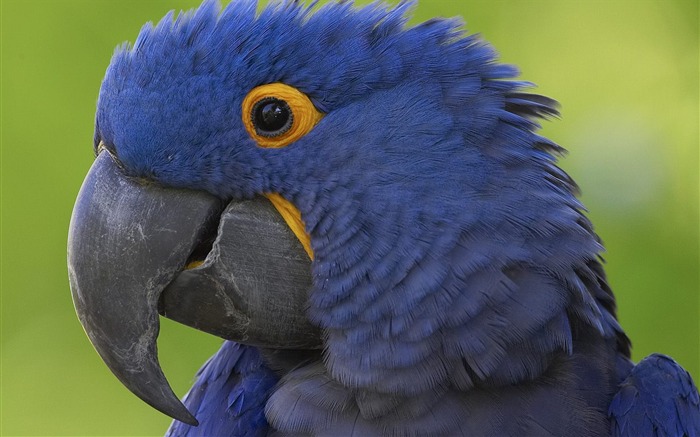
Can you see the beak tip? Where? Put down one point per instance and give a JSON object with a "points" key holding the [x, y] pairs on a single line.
{"points": [[158, 394], [185, 416]]}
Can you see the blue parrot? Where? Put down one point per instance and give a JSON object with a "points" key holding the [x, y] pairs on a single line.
{"points": [[365, 211]]}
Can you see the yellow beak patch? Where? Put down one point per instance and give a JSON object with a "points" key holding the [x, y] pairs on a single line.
{"points": [[292, 217]]}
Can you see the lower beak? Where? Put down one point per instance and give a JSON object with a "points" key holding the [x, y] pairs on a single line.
{"points": [[128, 247]]}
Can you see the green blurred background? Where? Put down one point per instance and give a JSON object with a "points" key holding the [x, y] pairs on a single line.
{"points": [[626, 73]]}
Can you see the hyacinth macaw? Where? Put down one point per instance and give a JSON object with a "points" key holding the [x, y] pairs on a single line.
{"points": [[365, 212]]}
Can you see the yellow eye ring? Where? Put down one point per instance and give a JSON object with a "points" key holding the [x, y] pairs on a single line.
{"points": [[275, 115]]}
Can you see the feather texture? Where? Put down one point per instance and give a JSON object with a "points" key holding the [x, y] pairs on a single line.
{"points": [[658, 398], [229, 395]]}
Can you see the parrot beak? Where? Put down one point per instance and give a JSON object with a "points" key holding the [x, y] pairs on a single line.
{"points": [[131, 247]]}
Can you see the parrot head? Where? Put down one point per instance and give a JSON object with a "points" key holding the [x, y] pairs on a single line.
{"points": [[322, 180]]}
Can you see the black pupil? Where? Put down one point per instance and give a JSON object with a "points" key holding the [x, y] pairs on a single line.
{"points": [[272, 116]]}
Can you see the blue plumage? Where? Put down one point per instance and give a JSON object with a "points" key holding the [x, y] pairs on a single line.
{"points": [[456, 280], [658, 398], [229, 395]]}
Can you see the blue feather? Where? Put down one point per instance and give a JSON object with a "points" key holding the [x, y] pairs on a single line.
{"points": [[658, 398], [229, 395]]}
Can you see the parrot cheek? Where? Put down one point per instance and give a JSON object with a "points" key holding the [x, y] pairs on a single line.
{"points": [[128, 247]]}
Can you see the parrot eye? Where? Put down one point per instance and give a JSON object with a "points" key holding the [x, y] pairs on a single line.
{"points": [[272, 117], [275, 115]]}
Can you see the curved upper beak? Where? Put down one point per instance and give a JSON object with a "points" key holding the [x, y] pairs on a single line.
{"points": [[128, 247]]}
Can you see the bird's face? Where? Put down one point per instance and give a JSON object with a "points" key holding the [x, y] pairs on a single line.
{"points": [[343, 115], [175, 108]]}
